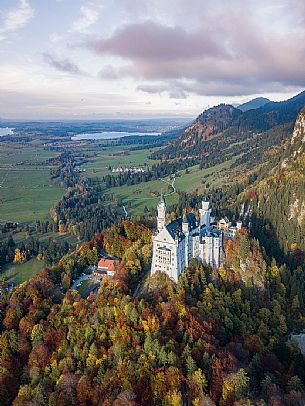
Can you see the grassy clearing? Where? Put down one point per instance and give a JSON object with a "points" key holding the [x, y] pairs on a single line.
{"points": [[193, 181], [19, 273], [86, 287], [147, 194], [20, 238], [98, 166]]}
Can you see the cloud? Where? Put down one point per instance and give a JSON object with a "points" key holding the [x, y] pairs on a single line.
{"points": [[109, 72], [153, 41], [232, 52], [16, 18], [152, 89], [62, 65], [174, 91], [88, 18]]}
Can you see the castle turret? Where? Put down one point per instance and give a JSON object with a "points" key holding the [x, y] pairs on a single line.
{"points": [[239, 225], [205, 214], [185, 230], [161, 219], [185, 224]]}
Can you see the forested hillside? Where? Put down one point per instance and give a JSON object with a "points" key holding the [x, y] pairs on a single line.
{"points": [[217, 338], [253, 104], [224, 123], [277, 202]]}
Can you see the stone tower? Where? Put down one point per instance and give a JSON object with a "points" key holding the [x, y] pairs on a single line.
{"points": [[205, 214], [161, 219], [185, 230]]}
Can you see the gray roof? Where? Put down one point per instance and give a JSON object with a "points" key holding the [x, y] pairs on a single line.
{"points": [[209, 232], [175, 227]]}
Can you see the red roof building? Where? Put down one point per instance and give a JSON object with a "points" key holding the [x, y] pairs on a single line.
{"points": [[108, 265]]}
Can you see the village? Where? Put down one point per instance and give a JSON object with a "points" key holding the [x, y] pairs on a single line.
{"points": [[133, 169]]}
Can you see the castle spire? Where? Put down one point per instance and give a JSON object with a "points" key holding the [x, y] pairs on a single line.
{"points": [[185, 224], [162, 197], [161, 219]]}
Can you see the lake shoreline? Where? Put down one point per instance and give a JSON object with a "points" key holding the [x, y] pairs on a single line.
{"points": [[111, 135]]}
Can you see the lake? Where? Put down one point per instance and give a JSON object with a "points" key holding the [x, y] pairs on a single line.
{"points": [[109, 135], [6, 131]]}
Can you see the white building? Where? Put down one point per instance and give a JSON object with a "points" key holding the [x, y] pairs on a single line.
{"points": [[185, 238], [227, 228]]}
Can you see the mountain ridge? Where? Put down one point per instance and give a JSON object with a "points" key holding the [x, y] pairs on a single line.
{"points": [[254, 104], [226, 121]]}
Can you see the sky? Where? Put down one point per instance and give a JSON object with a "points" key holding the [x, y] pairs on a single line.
{"points": [[95, 59]]}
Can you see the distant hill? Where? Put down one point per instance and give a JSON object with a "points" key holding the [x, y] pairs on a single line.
{"points": [[226, 124], [254, 104], [211, 122]]}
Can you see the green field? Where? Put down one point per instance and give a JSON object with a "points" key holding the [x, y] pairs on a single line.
{"points": [[86, 287], [98, 165], [147, 194], [26, 191], [17, 274], [136, 197]]}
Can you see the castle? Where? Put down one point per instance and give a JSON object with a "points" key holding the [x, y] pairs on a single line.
{"points": [[184, 238]]}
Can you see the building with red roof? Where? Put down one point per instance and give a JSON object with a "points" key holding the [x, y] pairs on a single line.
{"points": [[108, 265]]}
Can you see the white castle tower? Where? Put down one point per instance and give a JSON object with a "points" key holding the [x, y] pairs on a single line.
{"points": [[205, 214], [161, 219], [186, 232]]}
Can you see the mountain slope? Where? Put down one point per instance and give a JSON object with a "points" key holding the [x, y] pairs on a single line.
{"points": [[277, 202], [254, 104], [251, 139], [211, 122]]}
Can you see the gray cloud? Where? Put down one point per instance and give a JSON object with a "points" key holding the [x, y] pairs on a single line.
{"points": [[153, 41], [232, 52], [153, 89], [174, 91], [62, 65]]}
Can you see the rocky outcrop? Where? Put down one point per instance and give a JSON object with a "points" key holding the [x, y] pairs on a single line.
{"points": [[212, 122]]}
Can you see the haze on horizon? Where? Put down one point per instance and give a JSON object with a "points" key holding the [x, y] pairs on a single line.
{"points": [[91, 59]]}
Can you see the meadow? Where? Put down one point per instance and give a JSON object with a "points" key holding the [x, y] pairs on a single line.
{"points": [[137, 197], [18, 273], [117, 156], [26, 190]]}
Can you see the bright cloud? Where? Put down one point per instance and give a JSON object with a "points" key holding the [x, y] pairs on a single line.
{"points": [[88, 18], [16, 18], [135, 57]]}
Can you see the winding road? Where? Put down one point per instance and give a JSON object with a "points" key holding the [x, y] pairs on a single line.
{"points": [[168, 194]]}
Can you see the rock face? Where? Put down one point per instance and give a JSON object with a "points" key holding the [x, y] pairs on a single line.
{"points": [[211, 123], [280, 197], [298, 137]]}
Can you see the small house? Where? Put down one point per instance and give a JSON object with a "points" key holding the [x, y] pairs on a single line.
{"points": [[108, 266]]}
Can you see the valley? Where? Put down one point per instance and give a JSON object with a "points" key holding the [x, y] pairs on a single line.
{"points": [[152, 203], [40, 167], [73, 202]]}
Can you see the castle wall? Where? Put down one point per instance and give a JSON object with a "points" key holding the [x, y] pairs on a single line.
{"points": [[172, 254], [168, 255]]}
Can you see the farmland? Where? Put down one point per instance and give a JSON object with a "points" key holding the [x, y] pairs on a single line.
{"points": [[26, 191]]}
